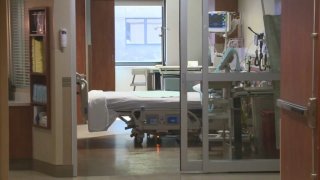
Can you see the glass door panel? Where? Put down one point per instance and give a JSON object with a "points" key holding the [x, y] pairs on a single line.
{"points": [[194, 114], [238, 121], [220, 134]]}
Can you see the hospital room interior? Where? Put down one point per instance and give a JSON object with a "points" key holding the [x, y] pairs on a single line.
{"points": [[180, 89]]}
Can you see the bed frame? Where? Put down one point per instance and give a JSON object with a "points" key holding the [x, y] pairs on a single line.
{"points": [[152, 122]]}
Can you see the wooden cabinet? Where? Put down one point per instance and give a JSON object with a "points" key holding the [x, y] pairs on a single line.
{"points": [[20, 132], [39, 66]]}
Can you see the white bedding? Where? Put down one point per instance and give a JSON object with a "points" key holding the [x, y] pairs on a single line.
{"points": [[104, 106]]}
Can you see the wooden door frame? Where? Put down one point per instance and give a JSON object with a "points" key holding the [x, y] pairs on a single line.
{"points": [[317, 69], [81, 50], [4, 109]]}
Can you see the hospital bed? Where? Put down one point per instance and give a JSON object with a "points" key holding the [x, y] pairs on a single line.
{"points": [[154, 113]]}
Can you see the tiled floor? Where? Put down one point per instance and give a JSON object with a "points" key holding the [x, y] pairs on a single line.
{"points": [[112, 156]]}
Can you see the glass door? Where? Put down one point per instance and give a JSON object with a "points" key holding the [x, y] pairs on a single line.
{"points": [[191, 83], [238, 116]]}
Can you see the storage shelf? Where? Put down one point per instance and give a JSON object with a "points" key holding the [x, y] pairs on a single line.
{"points": [[39, 67]]}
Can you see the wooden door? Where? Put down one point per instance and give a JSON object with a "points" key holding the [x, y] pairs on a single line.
{"points": [[4, 111], [102, 64], [81, 49], [296, 87]]}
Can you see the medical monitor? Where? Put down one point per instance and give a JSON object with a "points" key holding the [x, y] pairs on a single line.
{"points": [[219, 21]]}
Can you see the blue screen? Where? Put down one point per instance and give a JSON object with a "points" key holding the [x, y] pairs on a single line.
{"points": [[173, 119], [152, 120]]}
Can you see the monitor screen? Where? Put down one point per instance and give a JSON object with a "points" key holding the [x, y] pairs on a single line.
{"points": [[219, 21]]}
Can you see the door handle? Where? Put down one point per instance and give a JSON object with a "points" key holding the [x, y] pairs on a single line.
{"points": [[310, 111], [283, 104]]}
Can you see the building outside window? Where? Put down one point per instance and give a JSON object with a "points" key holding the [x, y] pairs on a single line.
{"points": [[138, 34]]}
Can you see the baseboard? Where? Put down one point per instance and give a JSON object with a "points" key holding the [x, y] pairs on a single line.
{"points": [[21, 164], [53, 170]]}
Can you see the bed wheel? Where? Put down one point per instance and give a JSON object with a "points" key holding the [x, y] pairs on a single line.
{"points": [[153, 140], [150, 140], [138, 140], [158, 140]]}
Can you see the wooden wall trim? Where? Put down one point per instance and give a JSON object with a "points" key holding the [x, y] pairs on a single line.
{"points": [[4, 117], [318, 89]]}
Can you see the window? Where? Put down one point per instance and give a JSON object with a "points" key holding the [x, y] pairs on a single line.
{"points": [[19, 63], [135, 31], [154, 31], [143, 31], [138, 34]]}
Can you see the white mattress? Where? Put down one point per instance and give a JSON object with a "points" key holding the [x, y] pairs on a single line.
{"points": [[123, 101], [104, 106]]}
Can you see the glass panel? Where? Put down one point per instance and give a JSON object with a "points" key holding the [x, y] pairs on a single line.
{"points": [[194, 122], [220, 133], [241, 124], [262, 126]]}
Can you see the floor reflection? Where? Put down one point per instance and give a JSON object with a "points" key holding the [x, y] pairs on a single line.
{"points": [[115, 154]]}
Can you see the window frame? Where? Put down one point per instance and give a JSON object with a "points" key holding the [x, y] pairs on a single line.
{"points": [[159, 3], [145, 30]]}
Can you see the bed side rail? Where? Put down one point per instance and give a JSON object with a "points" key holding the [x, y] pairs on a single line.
{"points": [[82, 82]]}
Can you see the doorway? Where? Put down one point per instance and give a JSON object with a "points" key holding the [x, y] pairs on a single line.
{"points": [[97, 150]]}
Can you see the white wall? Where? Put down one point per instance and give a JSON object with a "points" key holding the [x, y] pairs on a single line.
{"points": [[252, 16], [172, 35], [55, 146]]}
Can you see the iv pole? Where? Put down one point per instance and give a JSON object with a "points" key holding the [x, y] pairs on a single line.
{"points": [[263, 10]]}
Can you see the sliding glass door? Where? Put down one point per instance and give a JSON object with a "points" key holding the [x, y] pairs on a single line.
{"points": [[237, 120]]}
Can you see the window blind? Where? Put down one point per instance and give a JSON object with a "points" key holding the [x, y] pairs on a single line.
{"points": [[19, 53]]}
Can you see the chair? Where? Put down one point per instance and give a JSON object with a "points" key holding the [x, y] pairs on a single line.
{"points": [[141, 73]]}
